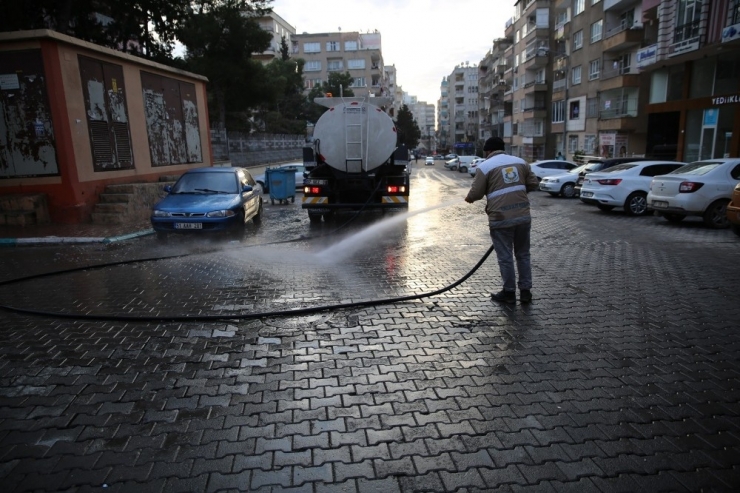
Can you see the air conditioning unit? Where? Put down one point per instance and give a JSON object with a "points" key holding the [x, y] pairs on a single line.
{"points": [[502, 82]]}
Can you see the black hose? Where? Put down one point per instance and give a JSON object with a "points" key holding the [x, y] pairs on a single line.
{"points": [[211, 318]]}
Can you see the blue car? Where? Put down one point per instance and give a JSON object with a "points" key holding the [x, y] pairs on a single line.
{"points": [[209, 200]]}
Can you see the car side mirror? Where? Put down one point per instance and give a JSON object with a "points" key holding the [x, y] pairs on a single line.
{"points": [[247, 188], [167, 188]]}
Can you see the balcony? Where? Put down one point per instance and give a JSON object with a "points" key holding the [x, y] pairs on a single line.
{"points": [[623, 37], [685, 38], [535, 86], [559, 85], [618, 4], [536, 110], [537, 54], [615, 75]]}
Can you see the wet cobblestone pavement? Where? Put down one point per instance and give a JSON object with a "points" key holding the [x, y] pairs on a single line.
{"points": [[623, 375]]}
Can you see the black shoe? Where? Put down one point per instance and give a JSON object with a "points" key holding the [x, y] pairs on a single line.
{"points": [[504, 296], [525, 296]]}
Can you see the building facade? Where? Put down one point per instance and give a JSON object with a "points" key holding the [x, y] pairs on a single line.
{"points": [[463, 108], [279, 29], [443, 116], [73, 111], [360, 54], [491, 87]]}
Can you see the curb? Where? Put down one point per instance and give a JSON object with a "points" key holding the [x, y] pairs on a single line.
{"points": [[62, 240]]}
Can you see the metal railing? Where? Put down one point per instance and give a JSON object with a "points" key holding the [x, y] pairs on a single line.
{"points": [[614, 70], [686, 31], [621, 109], [559, 85]]}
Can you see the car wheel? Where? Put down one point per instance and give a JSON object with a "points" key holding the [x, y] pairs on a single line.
{"points": [[716, 214], [735, 228], [568, 190], [636, 204], [674, 218], [463, 169], [257, 219], [604, 207]]}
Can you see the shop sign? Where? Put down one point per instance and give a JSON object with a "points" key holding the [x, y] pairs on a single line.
{"points": [[647, 56], [731, 33], [607, 139], [735, 98]]}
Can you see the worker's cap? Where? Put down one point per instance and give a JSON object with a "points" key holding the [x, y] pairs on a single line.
{"points": [[494, 144]]}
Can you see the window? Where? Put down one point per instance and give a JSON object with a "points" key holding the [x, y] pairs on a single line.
{"points": [[356, 64], [332, 46], [687, 20], [592, 108], [334, 65], [558, 111], [734, 12], [594, 67], [576, 75], [311, 47], [572, 144], [359, 82], [350, 46], [597, 29], [578, 6], [311, 83], [575, 110], [578, 40], [312, 66]]}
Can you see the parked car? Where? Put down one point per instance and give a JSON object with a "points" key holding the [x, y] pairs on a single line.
{"points": [[208, 200], [450, 156], [452, 163], [429, 161], [474, 165], [550, 167], [733, 210], [439, 157], [624, 185], [299, 169], [599, 164], [563, 184], [701, 188]]}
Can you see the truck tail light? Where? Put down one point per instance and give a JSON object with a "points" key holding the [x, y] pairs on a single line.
{"points": [[312, 190], [396, 189]]}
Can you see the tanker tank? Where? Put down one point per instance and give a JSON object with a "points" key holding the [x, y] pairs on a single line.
{"points": [[355, 136]]}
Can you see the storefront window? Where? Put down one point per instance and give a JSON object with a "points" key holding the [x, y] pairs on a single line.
{"points": [[702, 78], [708, 133], [728, 73], [675, 83]]}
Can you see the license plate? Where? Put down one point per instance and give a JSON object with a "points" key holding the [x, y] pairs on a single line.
{"points": [[587, 194], [659, 203], [188, 225]]}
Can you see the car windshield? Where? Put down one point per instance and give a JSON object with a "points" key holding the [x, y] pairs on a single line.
{"points": [[206, 183], [619, 167], [577, 169], [593, 167], [701, 168]]}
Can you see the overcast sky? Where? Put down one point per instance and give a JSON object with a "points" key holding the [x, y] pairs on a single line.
{"points": [[424, 39]]}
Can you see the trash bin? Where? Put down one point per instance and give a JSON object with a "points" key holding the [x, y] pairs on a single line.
{"points": [[281, 183]]}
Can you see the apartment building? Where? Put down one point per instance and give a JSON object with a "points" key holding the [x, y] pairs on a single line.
{"points": [[424, 114], [691, 61], [395, 91], [279, 28], [492, 109], [463, 107], [527, 87], [360, 54], [443, 116]]}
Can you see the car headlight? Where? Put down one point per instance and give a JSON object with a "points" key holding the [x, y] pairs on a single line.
{"points": [[158, 213], [223, 213]]}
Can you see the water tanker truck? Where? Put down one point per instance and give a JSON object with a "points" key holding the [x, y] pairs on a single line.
{"points": [[353, 163]]}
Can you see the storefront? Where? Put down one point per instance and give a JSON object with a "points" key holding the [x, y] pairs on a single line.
{"points": [[694, 110]]}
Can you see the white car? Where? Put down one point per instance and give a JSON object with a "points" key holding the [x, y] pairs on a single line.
{"points": [[701, 188], [474, 165], [624, 185], [563, 184], [429, 161], [550, 167], [452, 163], [299, 169]]}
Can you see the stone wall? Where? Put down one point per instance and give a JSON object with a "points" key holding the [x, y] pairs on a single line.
{"points": [[247, 150]]}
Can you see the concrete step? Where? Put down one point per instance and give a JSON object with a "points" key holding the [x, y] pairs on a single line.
{"points": [[108, 218], [17, 218], [109, 198], [120, 188], [118, 207]]}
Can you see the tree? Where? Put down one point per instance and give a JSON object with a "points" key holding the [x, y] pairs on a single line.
{"points": [[285, 109], [336, 85], [407, 128], [284, 50], [220, 39]]}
